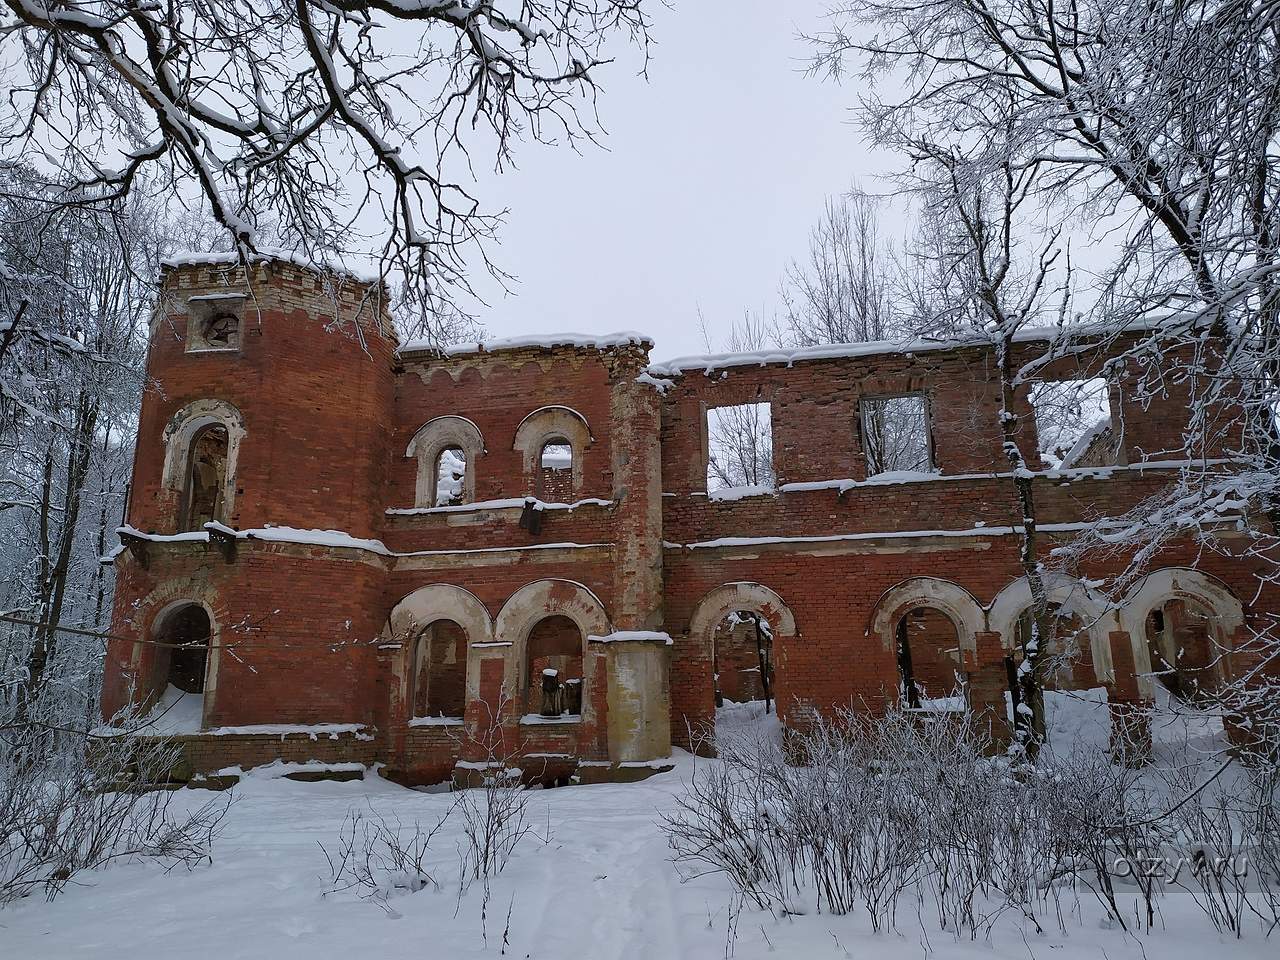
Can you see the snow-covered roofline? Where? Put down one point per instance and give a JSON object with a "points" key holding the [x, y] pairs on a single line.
{"points": [[547, 341], [269, 254], [706, 363]]}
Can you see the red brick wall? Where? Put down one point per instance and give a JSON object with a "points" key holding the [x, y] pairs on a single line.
{"points": [[329, 415]]}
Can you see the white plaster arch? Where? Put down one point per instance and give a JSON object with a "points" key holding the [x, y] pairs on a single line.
{"points": [[1181, 583], [427, 605], [549, 423], [156, 632], [432, 438], [535, 602], [1177, 583], [1072, 597], [933, 593], [180, 432], [741, 595]]}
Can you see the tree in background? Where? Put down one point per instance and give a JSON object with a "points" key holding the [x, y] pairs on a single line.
{"points": [[1156, 128]]}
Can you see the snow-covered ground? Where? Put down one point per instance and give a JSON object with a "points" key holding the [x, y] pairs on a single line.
{"points": [[596, 884]]}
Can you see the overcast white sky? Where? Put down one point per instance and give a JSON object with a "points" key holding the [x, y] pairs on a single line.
{"points": [[712, 174]]}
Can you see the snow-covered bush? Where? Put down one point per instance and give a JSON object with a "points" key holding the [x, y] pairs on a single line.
{"points": [[860, 810]]}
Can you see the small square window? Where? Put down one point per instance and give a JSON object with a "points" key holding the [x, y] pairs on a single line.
{"points": [[739, 447], [1074, 423], [895, 435]]}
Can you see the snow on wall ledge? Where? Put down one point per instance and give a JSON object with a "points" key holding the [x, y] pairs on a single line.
{"points": [[591, 341], [710, 362], [643, 636], [269, 254]]}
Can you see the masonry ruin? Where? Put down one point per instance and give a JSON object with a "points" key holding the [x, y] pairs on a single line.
{"points": [[354, 551]]}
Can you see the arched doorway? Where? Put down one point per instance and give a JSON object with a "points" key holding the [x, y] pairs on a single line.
{"points": [[182, 668], [927, 646], [1066, 652], [1181, 637], [438, 678], [553, 675]]}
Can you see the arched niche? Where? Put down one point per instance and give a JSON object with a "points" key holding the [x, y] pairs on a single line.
{"points": [[202, 418], [552, 425], [431, 440]]}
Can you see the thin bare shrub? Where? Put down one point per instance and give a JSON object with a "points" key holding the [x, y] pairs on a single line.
{"points": [[379, 858], [90, 803]]}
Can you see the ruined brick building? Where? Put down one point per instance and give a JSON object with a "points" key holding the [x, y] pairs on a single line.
{"points": [[348, 551]]}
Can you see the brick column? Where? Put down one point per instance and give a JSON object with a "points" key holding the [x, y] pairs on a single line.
{"points": [[1130, 713], [988, 684]]}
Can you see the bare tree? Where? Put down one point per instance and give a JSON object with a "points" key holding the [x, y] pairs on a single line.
{"points": [[323, 119], [842, 292], [1157, 127], [740, 435]]}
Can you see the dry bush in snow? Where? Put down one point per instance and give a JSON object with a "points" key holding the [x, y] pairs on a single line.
{"points": [[67, 812]]}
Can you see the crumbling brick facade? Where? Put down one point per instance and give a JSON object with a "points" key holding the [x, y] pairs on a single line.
{"points": [[344, 529]]}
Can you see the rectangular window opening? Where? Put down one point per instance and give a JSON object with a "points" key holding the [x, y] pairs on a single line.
{"points": [[1074, 423], [895, 435], [740, 447]]}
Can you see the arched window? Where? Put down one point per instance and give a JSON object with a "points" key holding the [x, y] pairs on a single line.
{"points": [[448, 450], [552, 442], [201, 452], [555, 473], [553, 680], [203, 495], [450, 477], [1184, 655], [439, 675]]}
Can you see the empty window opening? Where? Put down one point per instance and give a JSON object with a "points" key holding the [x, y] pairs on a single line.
{"points": [[553, 681], [206, 478], [742, 666], [451, 477], [439, 675], [555, 471], [181, 668], [928, 653], [1066, 658], [1181, 638], [740, 447], [1075, 424], [895, 435]]}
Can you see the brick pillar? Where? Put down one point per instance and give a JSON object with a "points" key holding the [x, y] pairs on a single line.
{"points": [[988, 683], [635, 423], [1130, 713]]}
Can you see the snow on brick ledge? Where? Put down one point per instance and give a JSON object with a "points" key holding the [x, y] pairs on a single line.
{"points": [[622, 636], [267, 254], [592, 341]]}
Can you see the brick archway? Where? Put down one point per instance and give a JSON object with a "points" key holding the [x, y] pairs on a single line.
{"points": [[931, 593], [420, 609], [533, 603], [1074, 598], [1178, 583]]}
